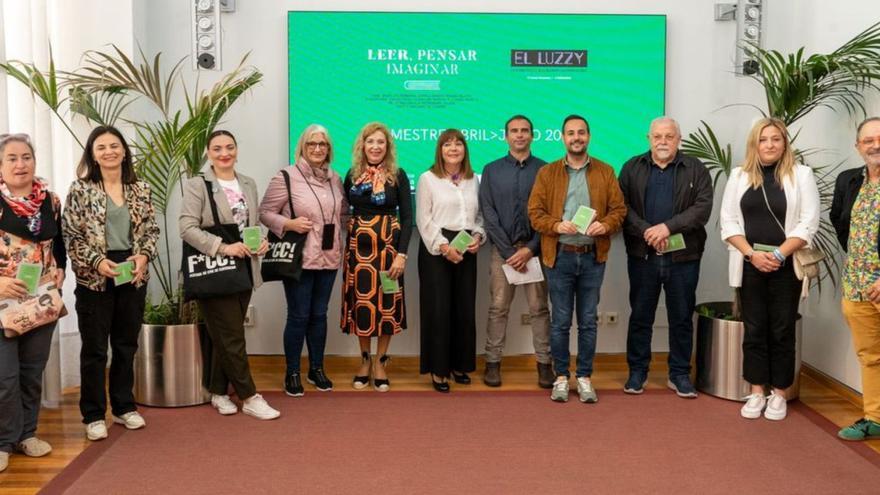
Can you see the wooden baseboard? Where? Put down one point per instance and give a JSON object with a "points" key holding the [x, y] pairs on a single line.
{"points": [[838, 387]]}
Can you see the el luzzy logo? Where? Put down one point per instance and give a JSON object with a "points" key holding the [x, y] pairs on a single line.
{"points": [[548, 58]]}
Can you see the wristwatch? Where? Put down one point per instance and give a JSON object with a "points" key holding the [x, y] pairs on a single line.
{"points": [[748, 256]]}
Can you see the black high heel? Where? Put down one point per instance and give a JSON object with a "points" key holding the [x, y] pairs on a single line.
{"points": [[462, 378], [442, 387], [383, 384], [360, 382]]}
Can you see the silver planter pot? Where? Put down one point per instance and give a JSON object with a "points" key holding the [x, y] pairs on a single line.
{"points": [[719, 355], [169, 366]]}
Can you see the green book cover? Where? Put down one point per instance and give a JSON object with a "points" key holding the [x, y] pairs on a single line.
{"points": [[30, 273], [582, 218], [675, 242], [764, 247], [252, 238], [124, 270], [461, 241], [389, 285]]}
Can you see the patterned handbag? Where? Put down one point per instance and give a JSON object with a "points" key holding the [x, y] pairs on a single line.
{"points": [[19, 316]]}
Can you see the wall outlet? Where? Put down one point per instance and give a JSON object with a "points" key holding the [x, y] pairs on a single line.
{"points": [[525, 319], [250, 316], [611, 317]]}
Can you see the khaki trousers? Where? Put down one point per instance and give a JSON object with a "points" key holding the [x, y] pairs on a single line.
{"points": [[863, 318]]}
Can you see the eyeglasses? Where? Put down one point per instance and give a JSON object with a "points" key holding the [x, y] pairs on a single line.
{"points": [[312, 145], [869, 141]]}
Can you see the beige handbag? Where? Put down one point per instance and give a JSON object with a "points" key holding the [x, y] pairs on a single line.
{"points": [[19, 316]]}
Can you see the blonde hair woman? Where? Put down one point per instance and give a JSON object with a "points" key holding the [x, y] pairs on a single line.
{"points": [[770, 210], [378, 236]]}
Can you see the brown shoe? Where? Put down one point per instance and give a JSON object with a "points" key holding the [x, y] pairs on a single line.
{"points": [[545, 375], [492, 376]]}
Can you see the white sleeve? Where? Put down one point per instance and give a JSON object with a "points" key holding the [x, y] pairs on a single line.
{"points": [[808, 217], [431, 233], [730, 214]]}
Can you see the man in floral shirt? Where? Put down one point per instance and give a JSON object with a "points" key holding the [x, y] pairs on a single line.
{"points": [[855, 213]]}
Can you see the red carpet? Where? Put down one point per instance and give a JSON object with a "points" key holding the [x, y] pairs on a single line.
{"points": [[482, 442]]}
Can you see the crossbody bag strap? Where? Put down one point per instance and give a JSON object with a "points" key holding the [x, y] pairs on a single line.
{"points": [[767, 202]]}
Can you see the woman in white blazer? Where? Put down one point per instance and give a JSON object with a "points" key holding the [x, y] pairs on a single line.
{"points": [[770, 210]]}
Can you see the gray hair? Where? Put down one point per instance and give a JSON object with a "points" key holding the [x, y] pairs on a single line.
{"points": [[862, 124], [18, 138], [662, 120], [300, 149]]}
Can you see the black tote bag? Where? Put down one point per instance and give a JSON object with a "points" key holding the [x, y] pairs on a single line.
{"points": [[211, 276], [284, 259]]}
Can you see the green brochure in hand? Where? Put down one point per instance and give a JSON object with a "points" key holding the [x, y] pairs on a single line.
{"points": [[675, 242], [461, 241], [764, 247], [124, 270], [29, 273], [252, 238], [389, 285], [582, 218]]}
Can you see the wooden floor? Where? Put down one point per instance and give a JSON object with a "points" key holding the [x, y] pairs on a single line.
{"points": [[62, 427]]}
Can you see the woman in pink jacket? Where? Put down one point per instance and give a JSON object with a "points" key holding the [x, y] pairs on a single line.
{"points": [[319, 205]]}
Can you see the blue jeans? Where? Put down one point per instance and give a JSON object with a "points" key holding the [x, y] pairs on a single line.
{"points": [[307, 302], [574, 281], [679, 282]]}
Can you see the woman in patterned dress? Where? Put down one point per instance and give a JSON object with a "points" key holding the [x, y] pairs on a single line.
{"points": [[379, 231]]}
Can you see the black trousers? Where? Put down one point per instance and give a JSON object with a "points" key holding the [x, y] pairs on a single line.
{"points": [[115, 314], [769, 313], [448, 325], [224, 317]]}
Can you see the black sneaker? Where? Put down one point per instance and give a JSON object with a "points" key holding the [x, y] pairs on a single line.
{"points": [[635, 384], [293, 385], [682, 386], [319, 380]]}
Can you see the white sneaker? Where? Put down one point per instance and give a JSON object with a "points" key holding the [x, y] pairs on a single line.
{"points": [[586, 392], [4, 460], [34, 447], [96, 430], [560, 390], [754, 406], [223, 405], [131, 420], [257, 407], [777, 407]]}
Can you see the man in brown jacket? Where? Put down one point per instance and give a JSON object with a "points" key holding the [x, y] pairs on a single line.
{"points": [[575, 258]]}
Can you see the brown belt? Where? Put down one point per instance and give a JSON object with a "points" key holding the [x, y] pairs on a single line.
{"points": [[571, 248]]}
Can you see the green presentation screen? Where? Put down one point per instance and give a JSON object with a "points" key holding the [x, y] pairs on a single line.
{"points": [[421, 73]]}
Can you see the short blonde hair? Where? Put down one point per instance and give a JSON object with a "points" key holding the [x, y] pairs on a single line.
{"points": [[308, 132], [752, 164], [359, 158]]}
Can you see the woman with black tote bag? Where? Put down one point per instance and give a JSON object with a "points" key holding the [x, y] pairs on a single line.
{"points": [[223, 195]]}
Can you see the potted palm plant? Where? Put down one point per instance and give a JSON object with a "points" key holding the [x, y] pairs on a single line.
{"points": [[104, 91], [794, 85]]}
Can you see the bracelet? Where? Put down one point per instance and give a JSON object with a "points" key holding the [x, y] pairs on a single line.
{"points": [[778, 255], [402, 255]]}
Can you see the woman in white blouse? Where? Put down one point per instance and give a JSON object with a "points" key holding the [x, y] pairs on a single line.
{"points": [[770, 210], [447, 203]]}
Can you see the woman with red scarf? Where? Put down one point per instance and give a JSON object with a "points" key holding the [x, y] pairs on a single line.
{"points": [[378, 236], [30, 232]]}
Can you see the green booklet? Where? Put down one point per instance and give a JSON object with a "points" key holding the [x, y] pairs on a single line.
{"points": [[252, 237], [461, 242], [675, 242], [124, 270], [582, 218], [389, 285], [30, 273], [764, 247]]}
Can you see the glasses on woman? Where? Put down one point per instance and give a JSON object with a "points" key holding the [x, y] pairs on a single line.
{"points": [[317, 145]]}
